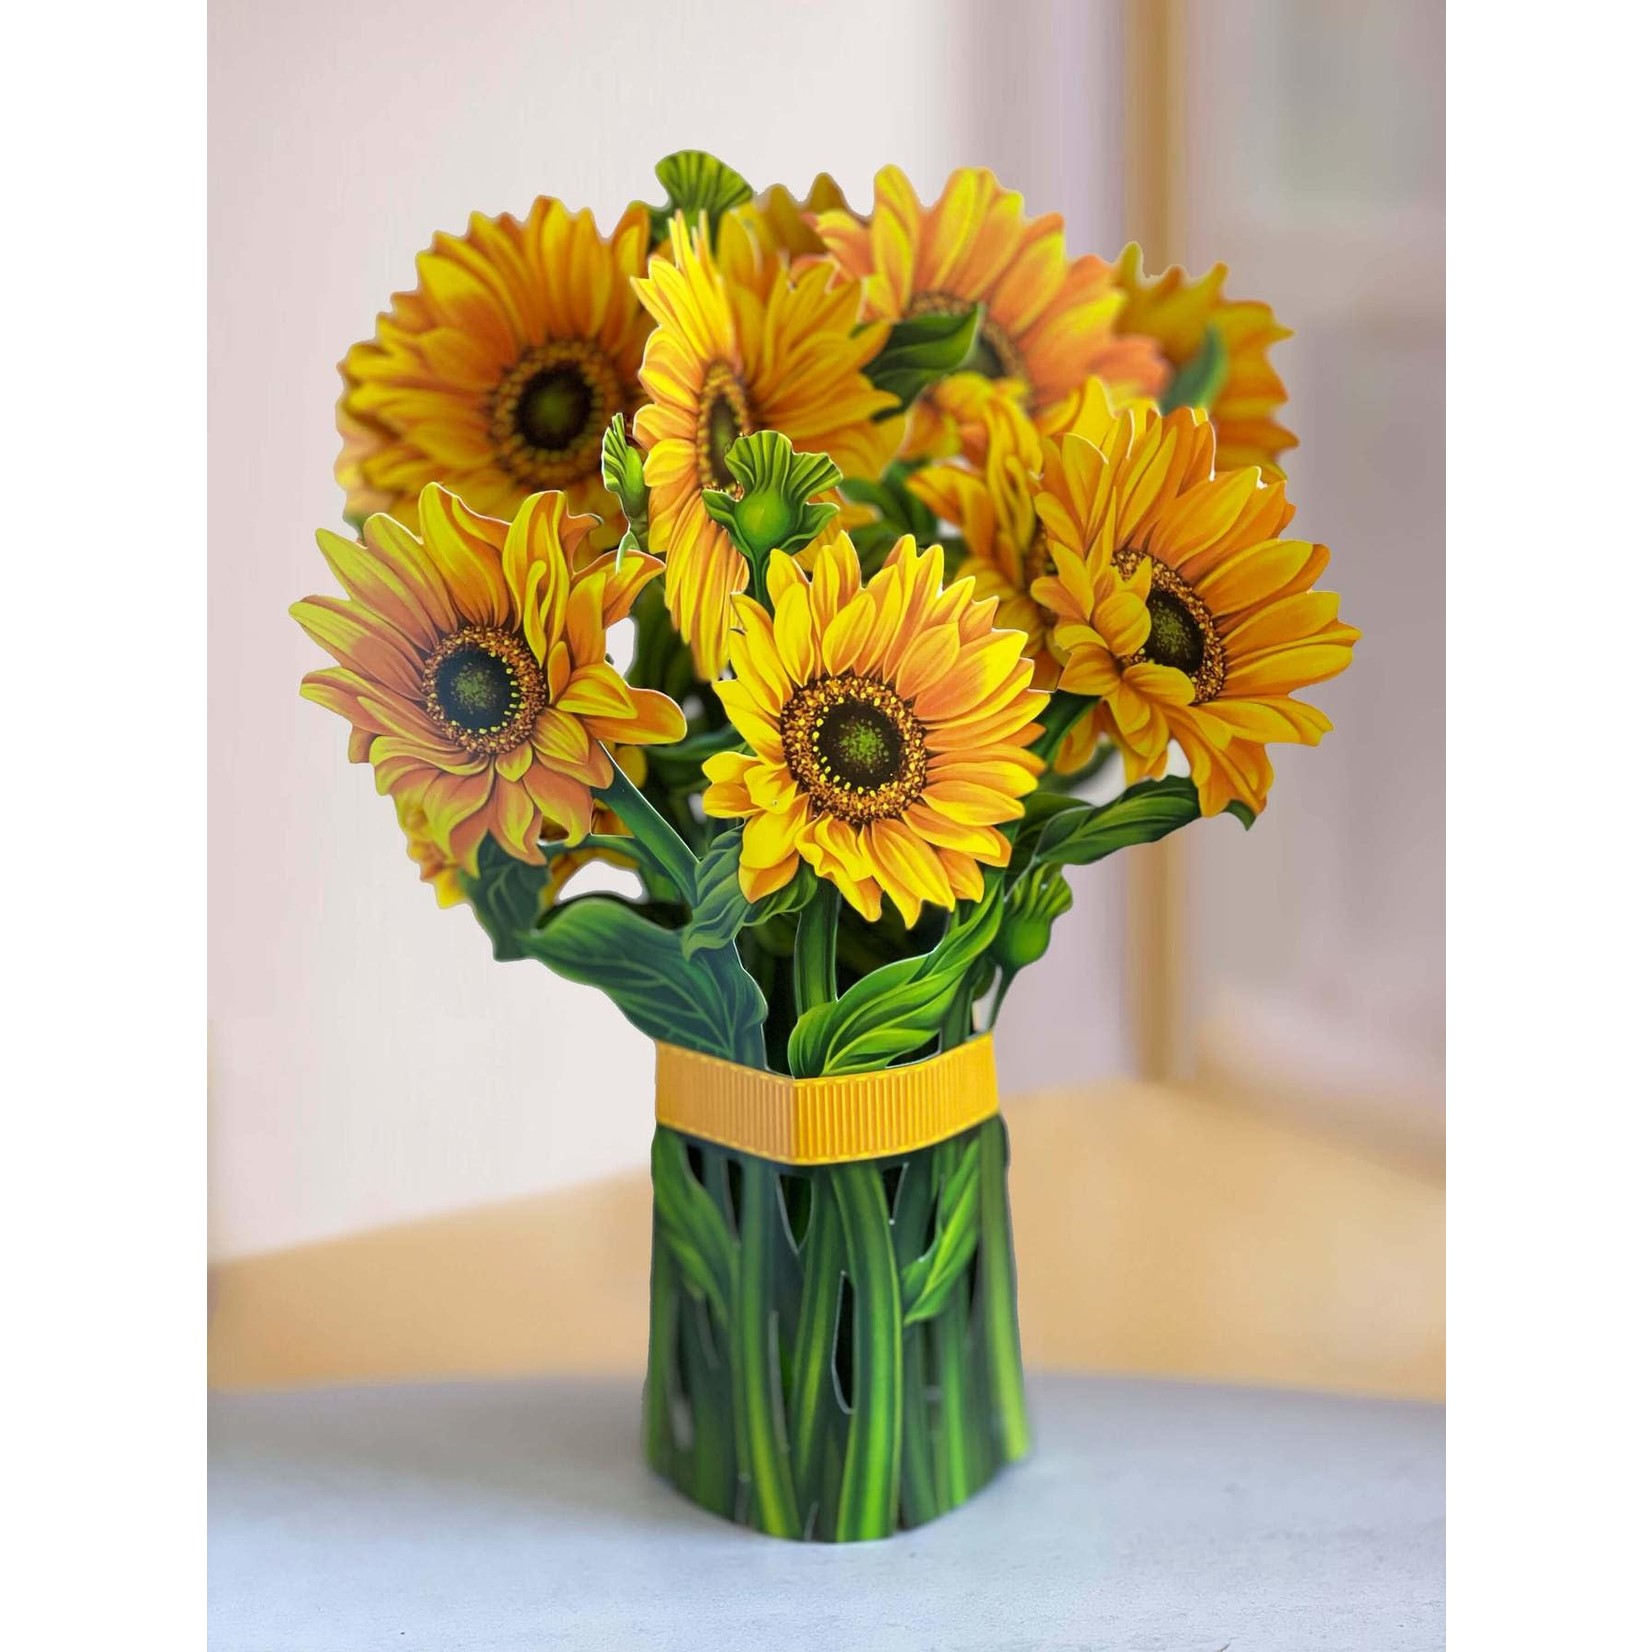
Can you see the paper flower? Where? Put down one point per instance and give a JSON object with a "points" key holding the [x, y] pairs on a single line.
{"points": [[1180, 607], [742, 346], [442, 872], [888, 725], [1049, 322], [472, 669], [498, 374], [1223, 344], [1005, 546], [781, 222]]}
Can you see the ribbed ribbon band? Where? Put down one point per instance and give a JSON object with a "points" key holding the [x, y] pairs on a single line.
{"points": [[825, 1120]]}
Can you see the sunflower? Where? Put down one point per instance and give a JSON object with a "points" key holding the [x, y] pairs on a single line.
{"points": [[442, 872], [781, 223], [1006, 548], [498, 375], [472, 669], [1179, 316], [741, 346], [888, 725], [1048, 324], [1178, 605]]}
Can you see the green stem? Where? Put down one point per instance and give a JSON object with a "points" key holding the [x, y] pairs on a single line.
{"points": [[871, 1480], [1004, 979], [812, 1381], [814, 977], [654, 834], [774, 1499], [952, 1464], [1005, 1385], [664, 1298], [709, 1471], [912, 1219], [959, 1024], [919, 1498]]}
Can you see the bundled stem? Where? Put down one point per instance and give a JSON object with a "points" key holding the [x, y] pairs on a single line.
{"points": [[896, 1394]]}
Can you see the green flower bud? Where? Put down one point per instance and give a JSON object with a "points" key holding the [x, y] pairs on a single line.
{"points": [[772, 511], [1024, 935], [622, 475]]}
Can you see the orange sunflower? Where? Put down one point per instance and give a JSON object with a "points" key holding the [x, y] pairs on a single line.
{"points": [[498, 374], [1180, 316], [743, 344], [888, 725], [1049, 322], [473, 671], [441, 871], [1180, 607]]}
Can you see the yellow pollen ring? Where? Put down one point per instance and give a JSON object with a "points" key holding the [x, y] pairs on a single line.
{"points": [[825, 1120]]}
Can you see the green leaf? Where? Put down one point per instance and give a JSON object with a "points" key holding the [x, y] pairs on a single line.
{"points": [[901, 508], [1144, 813], [896, 1010], [920, 350], [900, 512], [720, 906], [706, 1003], [1038, 811], [1199, 380], [925, 1283], [505, 895], [696, 182]]}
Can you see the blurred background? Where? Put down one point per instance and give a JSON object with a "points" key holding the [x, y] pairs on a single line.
{"points": [[1226, 1090]]}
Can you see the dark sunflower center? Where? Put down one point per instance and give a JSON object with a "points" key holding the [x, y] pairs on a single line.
{"points": [[475, 690], [984, 358], [548, 413], [554, 408], [855, 747], [724, 417], [722, 432], [483, 688], [859, 742], [1175, 638], [1182, 631]]}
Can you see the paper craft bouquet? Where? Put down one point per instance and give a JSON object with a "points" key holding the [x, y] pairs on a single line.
{"points": [[822, 571]]}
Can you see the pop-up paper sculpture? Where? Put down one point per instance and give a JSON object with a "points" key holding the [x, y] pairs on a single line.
{"points": [[917, 532]]}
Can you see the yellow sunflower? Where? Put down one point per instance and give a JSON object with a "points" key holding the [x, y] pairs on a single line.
{"points": [[472, 669], [742, 346], [497, 376], [1179, 605], [888, 725], [990, 501], [1049, 323], [1178, 315], [781, 223]]}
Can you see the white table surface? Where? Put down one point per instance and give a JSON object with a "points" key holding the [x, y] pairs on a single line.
{"points": [[503, 1517]]}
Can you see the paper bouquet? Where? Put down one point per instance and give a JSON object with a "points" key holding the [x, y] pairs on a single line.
{"points": [[829, 574]]}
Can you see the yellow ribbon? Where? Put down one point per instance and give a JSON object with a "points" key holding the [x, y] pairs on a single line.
{"points": [[825, 1120]]}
